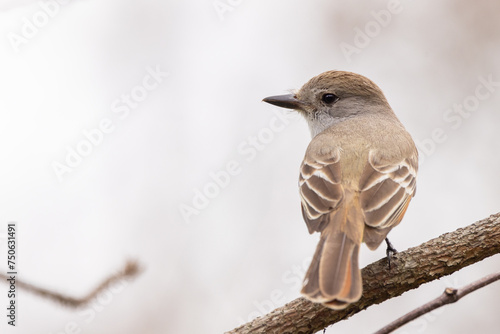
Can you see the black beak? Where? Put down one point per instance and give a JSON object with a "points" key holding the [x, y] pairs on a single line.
{"points": [[288, 101]]}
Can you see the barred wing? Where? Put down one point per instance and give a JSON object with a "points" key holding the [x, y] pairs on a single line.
{"points": [[320, 190], [385, 192]]}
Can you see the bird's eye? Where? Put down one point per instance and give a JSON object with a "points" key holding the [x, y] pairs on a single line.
{"points": [[329, 98]]}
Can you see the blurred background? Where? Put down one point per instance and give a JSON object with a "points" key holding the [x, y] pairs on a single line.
{"points": [[135, 130]]}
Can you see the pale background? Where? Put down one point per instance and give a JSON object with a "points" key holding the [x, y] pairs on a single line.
{"points": [[247, 250]]}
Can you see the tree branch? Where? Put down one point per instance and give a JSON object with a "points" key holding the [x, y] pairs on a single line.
{"points": [[449, 296], [130, 270], [431, 260]]}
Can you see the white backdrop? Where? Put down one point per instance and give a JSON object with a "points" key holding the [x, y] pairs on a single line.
{"points": [[174, 90]]}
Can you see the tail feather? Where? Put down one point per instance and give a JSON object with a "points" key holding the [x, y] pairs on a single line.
{"points": [[310, 287], [334, 278]]}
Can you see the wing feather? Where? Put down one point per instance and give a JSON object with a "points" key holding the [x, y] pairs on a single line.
{"points": [[385, 192], [320, 189]]}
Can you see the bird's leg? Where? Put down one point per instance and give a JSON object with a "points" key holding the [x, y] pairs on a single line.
{"points": [[389, 251]]}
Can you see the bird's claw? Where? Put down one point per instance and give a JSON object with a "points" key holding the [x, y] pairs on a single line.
{"points": [[390, 251]]}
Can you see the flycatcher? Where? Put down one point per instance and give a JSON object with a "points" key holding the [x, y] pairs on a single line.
{"points": [[356, 181]]}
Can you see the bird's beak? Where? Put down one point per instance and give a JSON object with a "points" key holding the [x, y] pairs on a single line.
{"points": [[288, 101]]}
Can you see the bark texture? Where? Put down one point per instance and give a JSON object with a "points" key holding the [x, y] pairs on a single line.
{"points": [[431, 260]]}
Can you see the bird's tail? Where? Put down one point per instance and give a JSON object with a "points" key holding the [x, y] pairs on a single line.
{"points": [[334, 278]]}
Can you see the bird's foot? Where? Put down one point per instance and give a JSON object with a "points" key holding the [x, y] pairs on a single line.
{"points": [[390, 251]]}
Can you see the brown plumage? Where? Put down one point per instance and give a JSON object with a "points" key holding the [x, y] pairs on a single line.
{"points": [[356, 180]]}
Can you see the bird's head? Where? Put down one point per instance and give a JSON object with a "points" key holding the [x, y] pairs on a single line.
{"points": [[332, 97]]}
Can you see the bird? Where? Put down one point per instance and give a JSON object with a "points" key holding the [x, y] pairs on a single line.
{"points": [[356, 180]]}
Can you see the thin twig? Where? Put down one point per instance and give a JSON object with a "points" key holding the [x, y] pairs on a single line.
{"points": [[449, 296], [130, 270]]}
